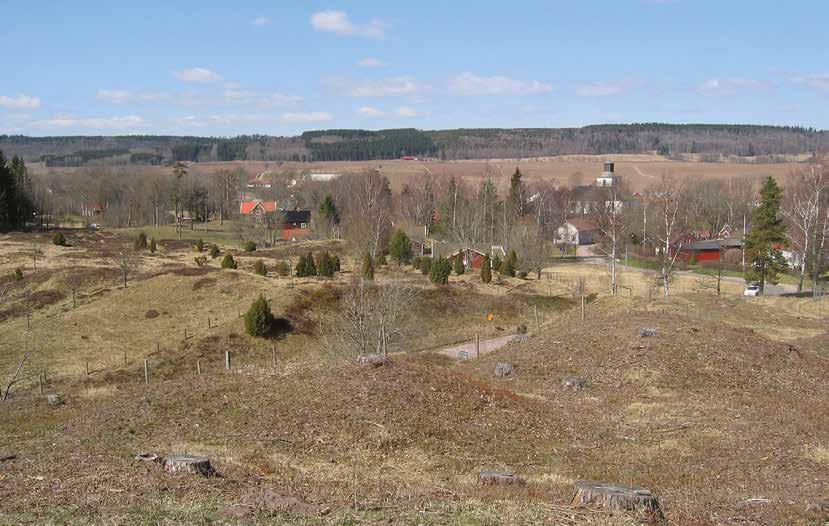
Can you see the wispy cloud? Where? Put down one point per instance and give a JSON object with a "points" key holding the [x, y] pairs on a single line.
{"points": [[241, 96], [369, 111], [91, 123], [339, 23], [727, 87], [406, 111], [309, 117], [605, 89], [392, 86], [470, 84], [370, 62], [819, 82], [199, 75], [192, 121], [19, 102], [118, 96], [261, 21]]}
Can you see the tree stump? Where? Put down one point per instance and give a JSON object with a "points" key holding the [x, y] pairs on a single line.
{"points": [[188, 464], [55, 400], [495, 478], [820, 508], [502, 370], [374, 360], [574, 382], [617, 497]]}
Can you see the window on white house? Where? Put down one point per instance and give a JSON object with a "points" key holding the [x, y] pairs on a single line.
{"points": [[303, 225]]}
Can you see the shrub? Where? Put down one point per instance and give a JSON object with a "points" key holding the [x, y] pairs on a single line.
{"points": [[457, 264], [368, 267], [18, 274], [425, 266], [400, 247], [201, 260], [496, 263], [249, 246], [282, 268], [325, 265], [509, 264], [198, 246], [522, 274], [336, 260], [229, 262], [305, 266], [381, 259], [140, 241], [259, 318], [416, 263], [214, 251], [151, 246], [439, 273], [260, 268], [59, 239], [486, 271], [693, 260]]}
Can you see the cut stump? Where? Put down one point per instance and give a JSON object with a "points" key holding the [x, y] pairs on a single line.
{"points": [[374, 360], [502, 370], [55, 400], [647, 332], [575, 383], [495, 478], [617, 497], [188, 464]]}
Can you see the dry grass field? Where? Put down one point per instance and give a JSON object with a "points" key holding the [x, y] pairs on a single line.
{"points": [[722, 413], [638, 170]]}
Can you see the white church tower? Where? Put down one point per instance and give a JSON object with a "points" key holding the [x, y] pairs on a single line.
{"points": [[608, 177]]}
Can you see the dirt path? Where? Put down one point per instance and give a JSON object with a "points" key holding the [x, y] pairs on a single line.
{"points": [[487, 346]]}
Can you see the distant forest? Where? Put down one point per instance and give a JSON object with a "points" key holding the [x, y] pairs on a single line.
{"points": [[709, 141]]}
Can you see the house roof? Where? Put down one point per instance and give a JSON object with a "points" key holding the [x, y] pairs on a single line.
{"points": [[583, 224], [247, 207], [297, 216], [713, 244]]}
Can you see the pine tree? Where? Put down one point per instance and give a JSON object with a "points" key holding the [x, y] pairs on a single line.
{"points": [[458, 265], [259, 318], [328, 211], [229, 262], [516, 195], [400, 247], [306, 266], [766, 238], [325, 265], [439, 271], [486, 272]]}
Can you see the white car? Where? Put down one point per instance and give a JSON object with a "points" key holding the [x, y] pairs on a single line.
{"points": [[752, 289]]}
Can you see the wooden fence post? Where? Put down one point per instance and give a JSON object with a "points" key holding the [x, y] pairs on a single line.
{"points": [[198, 367], [40, 382], [227, 360], [273, 356], [87, 367], [582, 307], [477, 345], [146, 372], [535, 312], [125, 357]]}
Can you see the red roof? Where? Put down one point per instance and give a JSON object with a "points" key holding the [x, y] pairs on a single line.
{"points": [[247, 207]]}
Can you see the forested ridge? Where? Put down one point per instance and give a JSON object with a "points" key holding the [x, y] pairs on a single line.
{"points": [[709, 141]]}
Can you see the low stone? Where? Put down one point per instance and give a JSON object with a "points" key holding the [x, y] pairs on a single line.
{"points": [[502, 370], [373, 360], [646, 332], [55, 400], [497, 478], [574, 382]]}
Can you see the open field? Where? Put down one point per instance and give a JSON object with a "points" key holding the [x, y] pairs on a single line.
{"points": [[725, 404], [638, 170]]}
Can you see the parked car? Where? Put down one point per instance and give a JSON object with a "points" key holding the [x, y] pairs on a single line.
{"points": [[752, 289]]}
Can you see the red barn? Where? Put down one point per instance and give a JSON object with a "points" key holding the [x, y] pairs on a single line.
{"points": [[708, 249]]}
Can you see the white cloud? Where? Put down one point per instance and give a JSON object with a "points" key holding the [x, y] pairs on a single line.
{"points": [[818, 82], [604, 89], [201, 75], [470, 84], [393, 86], [240, 96], [114, 95], [722, 87], [405, 111], [19, 102], [370, 62], [299, 118], [91, 123], [368, 111], [261, 21], [338, 22]]}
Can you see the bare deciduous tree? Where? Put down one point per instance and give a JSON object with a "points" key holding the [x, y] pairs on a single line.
{"points": [[127, 262], [803, 208]]}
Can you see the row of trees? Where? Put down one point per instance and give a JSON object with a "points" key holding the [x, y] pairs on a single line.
{"points": [[16, 204]]}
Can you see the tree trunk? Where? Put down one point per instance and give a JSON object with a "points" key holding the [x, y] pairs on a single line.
{"points": [[617, 497], [188, 464]]}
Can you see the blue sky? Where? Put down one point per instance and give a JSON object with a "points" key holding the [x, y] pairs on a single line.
{"points": [[182, 67]]}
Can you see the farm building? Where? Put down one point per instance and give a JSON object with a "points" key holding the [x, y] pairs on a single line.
{"points": [[296, 225], [577, 231], [257, 209], [473, 255], [257, 183], [708, 249]]}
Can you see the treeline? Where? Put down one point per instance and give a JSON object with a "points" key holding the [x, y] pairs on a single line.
{"points": [[362, 145], [16, 206], [710, 142]]}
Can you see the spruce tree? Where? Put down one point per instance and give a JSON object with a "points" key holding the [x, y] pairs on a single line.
{"points": [[400, 247], [325, 265], [458, 265], [229, 262], [486, 272], [439, 271], [259, 318], [766, 238]]}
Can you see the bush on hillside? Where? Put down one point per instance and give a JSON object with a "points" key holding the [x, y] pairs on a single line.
{"points": [[229, 262], [200, 261], [439, 271], [59, 239], [305, 267], [249, 246], [259, 318], [400, 247], [325, 265], [282, 268], [425, 265], [198, 246], [486, 271], [140, 242], [214, 251], [260, 268], [152, 246], [458, 265]]}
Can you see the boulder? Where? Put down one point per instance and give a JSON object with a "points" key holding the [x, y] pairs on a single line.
{"points": [[502, 370], [574, 382]]}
